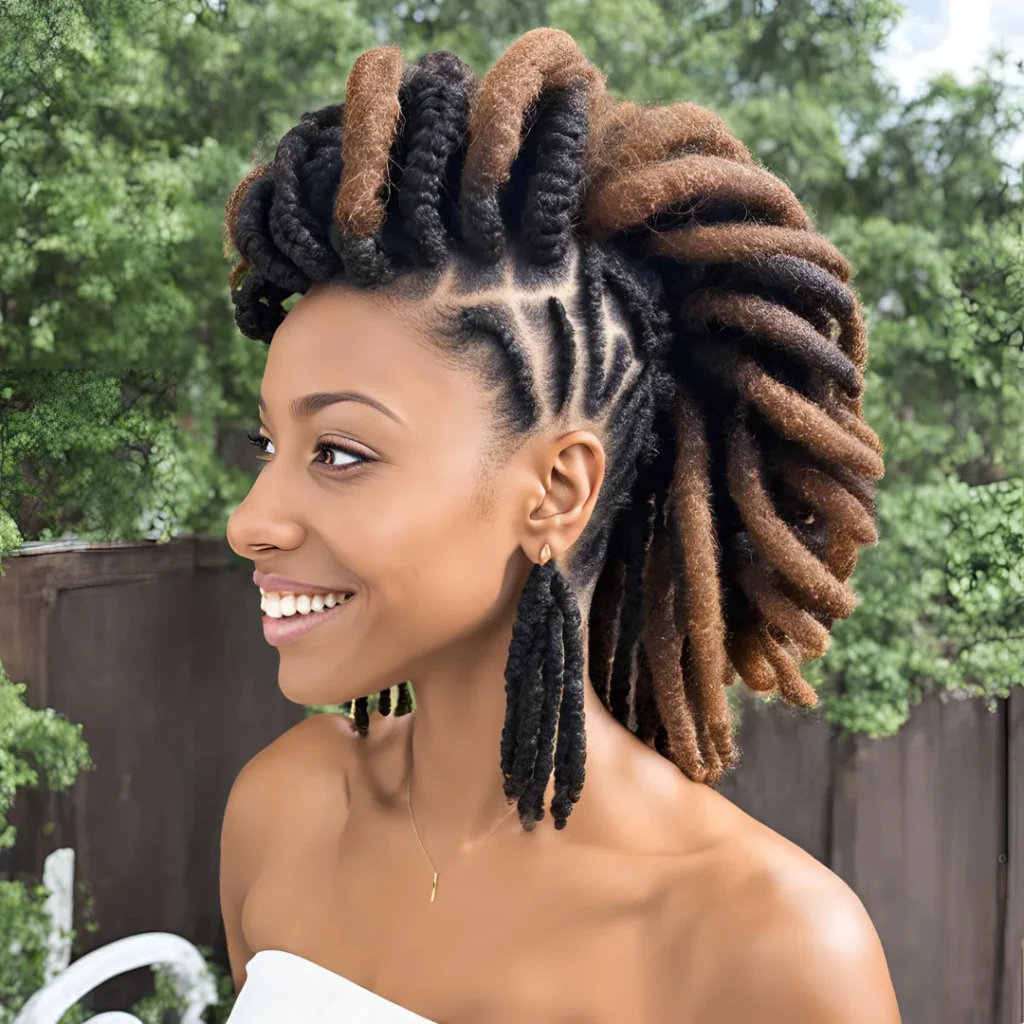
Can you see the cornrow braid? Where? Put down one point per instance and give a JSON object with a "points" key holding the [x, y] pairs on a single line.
{"points": [[563, 355], [632, 269], [590, 300]]}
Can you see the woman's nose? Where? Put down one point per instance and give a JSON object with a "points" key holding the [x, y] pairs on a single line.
{"points": [[259, 522]]}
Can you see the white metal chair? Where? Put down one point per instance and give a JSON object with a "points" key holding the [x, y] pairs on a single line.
{"points": [[68, 982]]}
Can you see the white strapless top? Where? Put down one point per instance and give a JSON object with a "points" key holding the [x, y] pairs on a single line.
{"points": [[282, 987]]}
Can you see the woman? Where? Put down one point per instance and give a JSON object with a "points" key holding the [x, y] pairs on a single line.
{"points": [[571, 399]]}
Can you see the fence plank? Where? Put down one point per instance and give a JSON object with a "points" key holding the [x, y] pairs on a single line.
{"points": [[1011, 1011], [917, 833], [163, 662], [784, 776], [157, 649]]}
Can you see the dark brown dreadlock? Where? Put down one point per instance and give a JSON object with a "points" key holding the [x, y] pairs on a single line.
{"points": [[687, 310]]}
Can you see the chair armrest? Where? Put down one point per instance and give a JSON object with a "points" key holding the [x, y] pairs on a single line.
{"points": [[185, 963]]}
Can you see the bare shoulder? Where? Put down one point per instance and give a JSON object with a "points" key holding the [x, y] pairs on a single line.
{"points": [[274, 793], [783, 938], [320, 742], [303, 767], [307, 770], [806, 947]]}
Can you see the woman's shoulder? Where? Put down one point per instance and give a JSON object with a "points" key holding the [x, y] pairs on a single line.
{"points": [[781, 936], [307, 769], [311, 760], [315, 750], [287, 780]]}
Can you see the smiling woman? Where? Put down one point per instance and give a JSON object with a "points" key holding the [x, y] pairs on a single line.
{"points": [[568, 420]]}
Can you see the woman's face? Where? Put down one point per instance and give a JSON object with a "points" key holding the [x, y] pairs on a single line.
{"points": [[390, 507]]}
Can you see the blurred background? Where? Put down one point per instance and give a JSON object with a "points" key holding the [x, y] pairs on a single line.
{"points": [[135, 681]]}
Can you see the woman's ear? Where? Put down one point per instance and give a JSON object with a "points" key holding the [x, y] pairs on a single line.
{"points": [[570, 474]]}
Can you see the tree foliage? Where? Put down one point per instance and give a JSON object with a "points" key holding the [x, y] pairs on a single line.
{"points": [[38, 747], [125, 123]]}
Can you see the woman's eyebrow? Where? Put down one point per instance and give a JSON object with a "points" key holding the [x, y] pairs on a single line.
{"points": [[310, 404]]}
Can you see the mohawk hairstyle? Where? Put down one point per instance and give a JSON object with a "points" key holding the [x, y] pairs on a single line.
{"points": [[632, 269]]}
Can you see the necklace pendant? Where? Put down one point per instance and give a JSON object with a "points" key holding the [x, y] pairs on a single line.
{"points": [[433, 888]]}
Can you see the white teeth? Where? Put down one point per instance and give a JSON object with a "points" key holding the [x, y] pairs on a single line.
{"points": [[283, 605]]}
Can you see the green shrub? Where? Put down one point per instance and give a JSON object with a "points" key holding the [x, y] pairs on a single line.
{"points": [[37, 747], [165, 1003]]}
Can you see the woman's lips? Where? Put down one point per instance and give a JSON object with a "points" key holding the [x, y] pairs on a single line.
{"points": [[288, 628], [270, 581]]}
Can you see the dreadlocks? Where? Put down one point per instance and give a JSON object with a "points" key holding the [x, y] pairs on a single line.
{"points": [[630, 268]]}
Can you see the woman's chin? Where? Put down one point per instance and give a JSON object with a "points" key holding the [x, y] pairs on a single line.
{"points": [[299, 691]]}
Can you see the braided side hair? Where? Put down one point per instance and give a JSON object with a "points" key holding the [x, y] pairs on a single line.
{"points": [[629, 268]]}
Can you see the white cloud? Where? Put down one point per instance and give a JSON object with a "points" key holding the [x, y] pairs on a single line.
{"points": [[956, 36], [942, 35]]}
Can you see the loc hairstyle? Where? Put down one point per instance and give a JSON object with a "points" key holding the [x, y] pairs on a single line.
{"points": [[628, 268]]}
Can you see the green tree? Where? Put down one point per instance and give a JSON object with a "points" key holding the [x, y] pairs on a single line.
{"points": [[934, 219], [129, 122], [37, 748], [124, 124]]}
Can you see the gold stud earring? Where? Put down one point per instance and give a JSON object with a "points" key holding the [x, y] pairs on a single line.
{"points": [[545, 553]]}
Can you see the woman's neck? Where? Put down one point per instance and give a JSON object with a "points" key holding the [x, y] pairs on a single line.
{"points": [[457, 786]]}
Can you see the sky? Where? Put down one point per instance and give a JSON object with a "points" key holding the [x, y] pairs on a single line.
{"points": [[953, 35]]}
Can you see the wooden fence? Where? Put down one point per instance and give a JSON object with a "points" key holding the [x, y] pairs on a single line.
{"points": [[158, 651]]}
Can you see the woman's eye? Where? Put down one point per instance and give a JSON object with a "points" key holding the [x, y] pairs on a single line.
{"points": [[353, 458], [261, 442]]}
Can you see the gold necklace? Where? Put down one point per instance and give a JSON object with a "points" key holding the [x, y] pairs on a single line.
{"points": [[408, 800]]}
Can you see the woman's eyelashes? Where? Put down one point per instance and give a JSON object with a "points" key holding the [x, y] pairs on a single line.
{"points": [[358, 458]]}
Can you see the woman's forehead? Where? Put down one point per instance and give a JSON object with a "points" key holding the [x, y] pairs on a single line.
{"points": [[337, 338]]}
